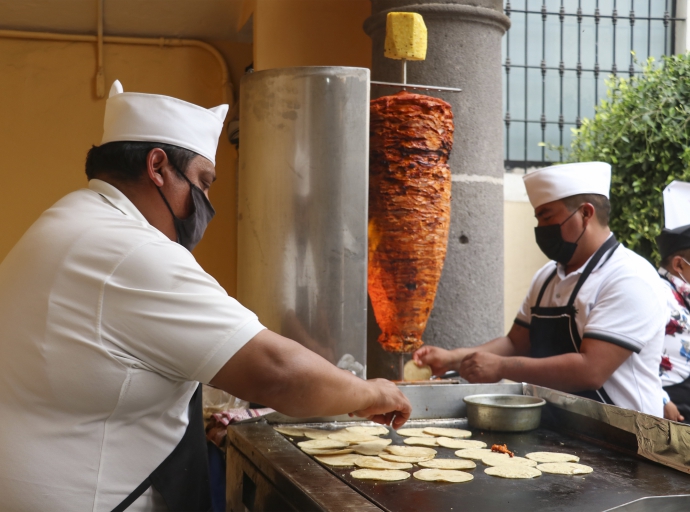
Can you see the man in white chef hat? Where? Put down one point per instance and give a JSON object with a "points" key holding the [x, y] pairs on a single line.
{"points": [[592, 321], [108, 325], [674, 248]]}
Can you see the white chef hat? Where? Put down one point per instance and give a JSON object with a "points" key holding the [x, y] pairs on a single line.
{"points": [[135, 116], [561, 181], [676, 233]]}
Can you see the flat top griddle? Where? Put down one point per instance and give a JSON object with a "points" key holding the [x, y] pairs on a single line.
{"points": [[617, 479]]}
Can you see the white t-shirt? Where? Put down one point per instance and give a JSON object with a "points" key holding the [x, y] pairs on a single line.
{"points": [[106, 327], [621, 302], [675, 360]]}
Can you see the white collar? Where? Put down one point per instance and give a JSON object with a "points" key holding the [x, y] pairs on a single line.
{"points": [[116, 198]]}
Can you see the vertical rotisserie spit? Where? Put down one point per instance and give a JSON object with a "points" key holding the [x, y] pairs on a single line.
{"points": [[409, 213]]}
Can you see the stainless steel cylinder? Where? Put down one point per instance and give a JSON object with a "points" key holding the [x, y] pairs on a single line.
{"points": [[507, 413], [302, 219]]}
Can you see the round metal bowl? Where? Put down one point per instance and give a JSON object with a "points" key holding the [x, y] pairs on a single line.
{"points": [[507, 413]]}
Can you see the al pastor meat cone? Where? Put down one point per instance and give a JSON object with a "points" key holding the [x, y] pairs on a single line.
{"points": [[409, 213]]}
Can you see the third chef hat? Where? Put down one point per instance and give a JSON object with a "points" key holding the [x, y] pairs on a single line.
{"points": [[135, 116], [676, 233], [561, 181]]}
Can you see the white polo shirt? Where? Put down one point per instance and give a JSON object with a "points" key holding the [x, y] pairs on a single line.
{"points": [[621, 302], [106, 327]]}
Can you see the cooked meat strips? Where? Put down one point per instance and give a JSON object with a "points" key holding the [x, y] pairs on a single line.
{"points": [[409, 213]]}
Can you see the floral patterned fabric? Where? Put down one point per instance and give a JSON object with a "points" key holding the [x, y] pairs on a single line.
{"points": [[674, 366]]}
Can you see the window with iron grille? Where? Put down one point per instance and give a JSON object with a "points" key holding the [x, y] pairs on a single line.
{"points": [[556, 58]]}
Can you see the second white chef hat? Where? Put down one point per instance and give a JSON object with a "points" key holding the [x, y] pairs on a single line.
{"points": [[561, 181], [135, 116]]}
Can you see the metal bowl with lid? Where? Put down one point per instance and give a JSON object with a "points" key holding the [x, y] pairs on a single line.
{"points": [[507, 413]]}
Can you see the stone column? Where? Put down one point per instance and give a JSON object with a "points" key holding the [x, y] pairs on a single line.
{"points": [[464, 50]]}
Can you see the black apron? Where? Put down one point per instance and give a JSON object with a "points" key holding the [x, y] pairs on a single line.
{"points": [[183, 477], [553, 330], [680, 393]]}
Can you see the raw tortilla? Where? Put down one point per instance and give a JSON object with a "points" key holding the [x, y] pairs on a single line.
{"points": [[352, 437], [334, 451], [377, 463], [371, 431], [448, 464], [376, 474], [552, 457], [403, 458], [459, 444], [421, 441], [564, 468], [316, 433], [338, 460], [513, 471], [413, 372], [412, 432], [501, 459], [442, 475], [290, 431], [372, 448], [411, 451], [447, 432], [322, 444], [473, 453]]}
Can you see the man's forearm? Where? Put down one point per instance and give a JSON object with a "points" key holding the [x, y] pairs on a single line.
{"points": [[502, 346]]}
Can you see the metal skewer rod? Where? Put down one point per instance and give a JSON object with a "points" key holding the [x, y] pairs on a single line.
{"points": [[417, 86], [402, 367], [404, 71]]}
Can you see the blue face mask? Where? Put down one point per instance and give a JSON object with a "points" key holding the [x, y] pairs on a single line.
{"points": [[191, 230]]}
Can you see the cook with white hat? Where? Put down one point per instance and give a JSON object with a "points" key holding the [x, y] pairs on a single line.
{"points": [[591, 323], [108, 325], [674, 249]]}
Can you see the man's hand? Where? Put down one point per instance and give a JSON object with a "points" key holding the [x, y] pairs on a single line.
{"points": [[389, 405], [672, 413], [439, 359], [482, 367]]}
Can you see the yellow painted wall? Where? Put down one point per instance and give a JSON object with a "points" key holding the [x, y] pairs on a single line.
{"points": [[50, 117], [311, 33], [522, 257]]}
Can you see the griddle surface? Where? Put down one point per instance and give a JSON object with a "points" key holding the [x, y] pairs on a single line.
{"points": [[617, 479]]}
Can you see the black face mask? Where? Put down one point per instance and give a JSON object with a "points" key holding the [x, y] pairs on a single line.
{"points": [[190, 230], [550, 241]]}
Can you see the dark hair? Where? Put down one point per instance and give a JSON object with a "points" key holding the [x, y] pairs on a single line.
{"points": [[683, 253], [602, 206], [126, 161]]}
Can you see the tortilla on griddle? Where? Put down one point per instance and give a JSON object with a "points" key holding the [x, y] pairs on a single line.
{"points": [[448, 464], [370, 431], [442, 475], [473, 453], [390, 475], [513, 471], [448, 432], [377, 463], [352, 437], [371, 448], [421, 441], [334, 451], [338, 460], [412, 432], [403, 458], [552, 457], [501, 459], [564, 468], [459, 444], [411, 451], [290, 431], [317, 433]]}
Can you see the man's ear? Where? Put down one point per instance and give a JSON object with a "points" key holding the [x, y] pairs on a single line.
{"points": [[676, 265], [155, 161], [588, 212]]}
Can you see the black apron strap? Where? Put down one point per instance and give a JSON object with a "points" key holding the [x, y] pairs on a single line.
{"points": [[543, 288], [182, 478], [610, 242]]}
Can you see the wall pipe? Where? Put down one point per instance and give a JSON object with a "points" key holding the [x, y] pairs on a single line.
{"points": [[227, 88], [100, 74]]}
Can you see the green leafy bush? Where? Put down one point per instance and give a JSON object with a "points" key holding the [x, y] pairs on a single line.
{"points": [[643, 130]]}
